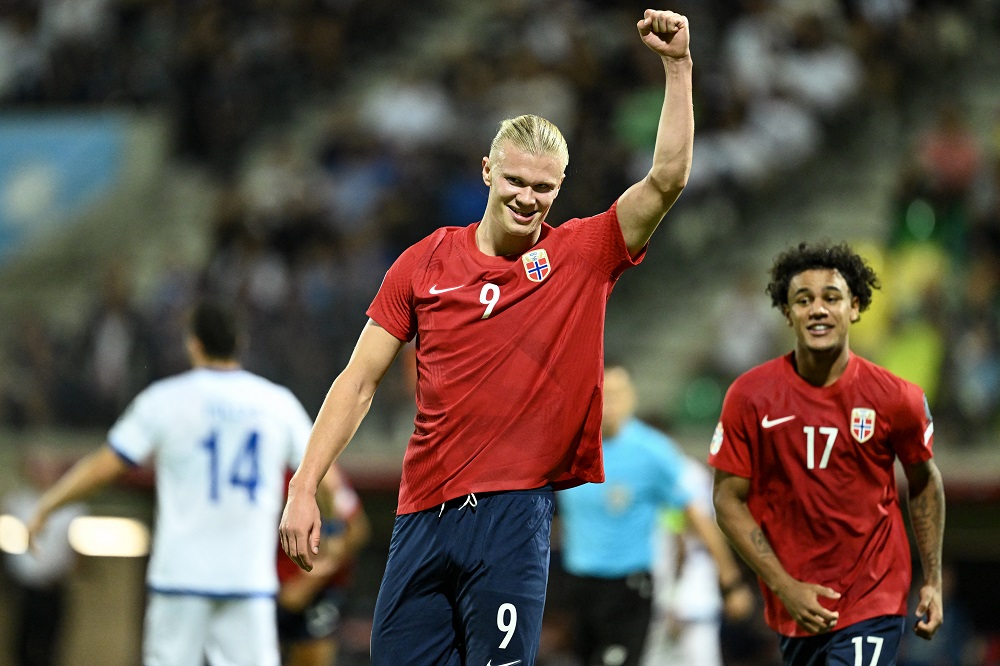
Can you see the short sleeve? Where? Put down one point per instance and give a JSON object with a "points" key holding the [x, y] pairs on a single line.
{"points": [[133, 436], [601, 242], [393, 307], [912, 435], [729, 450], [698, 482], [676, 493], [346, 499]]}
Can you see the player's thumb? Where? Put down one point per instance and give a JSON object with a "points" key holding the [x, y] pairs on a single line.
{"points": [[923, 605], [827, 592], [314, 539]]}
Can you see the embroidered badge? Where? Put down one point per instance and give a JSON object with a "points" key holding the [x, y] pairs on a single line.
{"points": [[862, 424], [536, 264]]}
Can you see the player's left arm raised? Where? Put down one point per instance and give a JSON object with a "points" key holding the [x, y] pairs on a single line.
{"points": [[644, 204], [927, 507]]}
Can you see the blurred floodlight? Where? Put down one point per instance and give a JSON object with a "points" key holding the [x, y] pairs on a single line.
{"points": [[103, 536], [13, 535]]}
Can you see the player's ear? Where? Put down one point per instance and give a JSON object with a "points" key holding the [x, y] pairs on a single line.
{"points": [[787, 313], [486, 172]]}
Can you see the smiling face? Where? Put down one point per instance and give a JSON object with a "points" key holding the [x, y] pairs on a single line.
{"points": [[523, 187], [821, 310]]}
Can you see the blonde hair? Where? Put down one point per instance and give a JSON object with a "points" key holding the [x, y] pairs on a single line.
{"points": [[531, 134]]}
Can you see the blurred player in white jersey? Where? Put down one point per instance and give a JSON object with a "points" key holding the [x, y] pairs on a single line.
{"points": [[222, 439], [687, 602]]}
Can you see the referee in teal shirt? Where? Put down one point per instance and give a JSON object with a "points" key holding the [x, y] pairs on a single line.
{"points": [[608, 530]]}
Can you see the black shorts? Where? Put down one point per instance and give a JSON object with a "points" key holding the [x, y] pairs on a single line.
{"points": [[610, 617], [466, 584], [320, 619]]}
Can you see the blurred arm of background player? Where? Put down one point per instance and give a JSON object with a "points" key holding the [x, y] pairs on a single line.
{"points": [[91, 473], [336, 550], [737, 598]]}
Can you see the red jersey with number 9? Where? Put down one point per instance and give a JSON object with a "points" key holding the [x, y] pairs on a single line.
{"points": [[509, 353], [822, 479]]}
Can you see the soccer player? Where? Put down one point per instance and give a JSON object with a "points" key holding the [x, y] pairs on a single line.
{"points": [[508, 317], [311, 603], [687, 599], [222, 439], [608, 530], [805, 486]]}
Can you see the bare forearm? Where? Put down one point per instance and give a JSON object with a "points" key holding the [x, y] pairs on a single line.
{"points": [[642, 207], [87, 476], [927, 513], [675, 133], [718, 548], [747, 539], [340, 416]]}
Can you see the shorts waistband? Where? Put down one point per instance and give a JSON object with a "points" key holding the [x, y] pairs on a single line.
{"points": [[467, 499]]}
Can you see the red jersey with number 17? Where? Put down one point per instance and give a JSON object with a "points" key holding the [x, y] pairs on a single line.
{"points": [[509, 353], [822, 479]]}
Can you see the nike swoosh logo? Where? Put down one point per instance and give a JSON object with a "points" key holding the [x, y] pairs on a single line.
{"points": [[435, 290], [768, 423], [509, 663]]}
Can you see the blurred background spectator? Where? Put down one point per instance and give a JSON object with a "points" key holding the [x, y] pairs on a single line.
{"points": [[39, 580]]}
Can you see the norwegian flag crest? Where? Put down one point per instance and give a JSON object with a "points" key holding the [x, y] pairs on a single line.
{"points": [[536, 264], [862, 424]]}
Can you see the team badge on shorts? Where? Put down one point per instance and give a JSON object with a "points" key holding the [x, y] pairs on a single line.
{"points": [[862, 424], [536, 265]]}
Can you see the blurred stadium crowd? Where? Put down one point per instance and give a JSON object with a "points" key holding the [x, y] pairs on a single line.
{"points": [[337, 132]]}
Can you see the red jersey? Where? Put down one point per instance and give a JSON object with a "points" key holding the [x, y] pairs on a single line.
{"points": [[822, 479], [509, 355]]}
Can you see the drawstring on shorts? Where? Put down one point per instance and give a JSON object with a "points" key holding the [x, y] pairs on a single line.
{"points": [[470, 501]]}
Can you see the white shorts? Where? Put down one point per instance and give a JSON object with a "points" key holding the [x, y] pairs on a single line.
{"points": [[698, 644], [182, 630]]}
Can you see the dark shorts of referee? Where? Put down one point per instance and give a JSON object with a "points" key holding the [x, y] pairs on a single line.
{"points": [[872, 642], [465, 582], [611, 617]]}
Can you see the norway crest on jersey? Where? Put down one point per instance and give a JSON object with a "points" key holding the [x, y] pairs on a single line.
{"points": [[862, 424], [536, 264]]}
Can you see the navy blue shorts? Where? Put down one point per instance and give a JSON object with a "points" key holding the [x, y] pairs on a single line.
{"points": [[873, 642], [466, 585]]}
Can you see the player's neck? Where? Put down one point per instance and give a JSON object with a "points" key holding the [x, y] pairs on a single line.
{"points": [[217, 364], [821, 368]]}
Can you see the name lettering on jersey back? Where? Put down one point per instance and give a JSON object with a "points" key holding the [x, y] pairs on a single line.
{"points": [[222, 411]]}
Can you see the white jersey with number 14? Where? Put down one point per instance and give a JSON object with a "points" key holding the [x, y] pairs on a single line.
{"points": [[220, 443]]}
